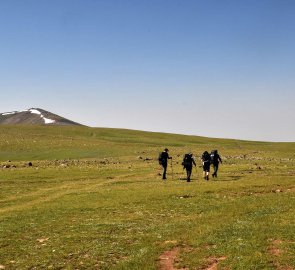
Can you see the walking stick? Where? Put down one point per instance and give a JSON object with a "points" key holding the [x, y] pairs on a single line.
{"points": [[171, 168], [182, 175]]}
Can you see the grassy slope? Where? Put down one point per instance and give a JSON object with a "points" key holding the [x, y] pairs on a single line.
{"points": [[90, 202]]}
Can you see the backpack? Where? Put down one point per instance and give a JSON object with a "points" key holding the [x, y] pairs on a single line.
{"points": [[213, 156], [206, 157], [160, 158], [187, 160]]}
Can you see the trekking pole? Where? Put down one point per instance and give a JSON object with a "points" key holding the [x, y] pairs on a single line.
{"points": [[171, 168]]}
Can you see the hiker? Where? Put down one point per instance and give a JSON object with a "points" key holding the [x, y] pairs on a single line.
{"points": [[206, 164], [215, 159], [187, 163], [163, 160]]}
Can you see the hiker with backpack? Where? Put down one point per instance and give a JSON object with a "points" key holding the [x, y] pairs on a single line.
{"points": [[215, 159], [163, 161], [206, 160], [187, 163]]}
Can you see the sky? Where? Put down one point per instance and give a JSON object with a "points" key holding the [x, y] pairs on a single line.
{"points": [[223, 69]]}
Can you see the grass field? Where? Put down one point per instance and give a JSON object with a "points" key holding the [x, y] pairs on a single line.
{"points": [[94, 199]]}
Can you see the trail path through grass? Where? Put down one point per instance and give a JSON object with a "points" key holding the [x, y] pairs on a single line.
{"points": [[94, 199]]}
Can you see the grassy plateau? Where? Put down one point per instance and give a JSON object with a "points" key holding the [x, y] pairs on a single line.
{"points": [[94, 199]]}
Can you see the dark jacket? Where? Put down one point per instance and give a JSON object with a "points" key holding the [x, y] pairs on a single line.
{"points": [[164, 158], [188, 161], [215, 158]]}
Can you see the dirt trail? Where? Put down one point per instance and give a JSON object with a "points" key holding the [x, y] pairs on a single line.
{"points": [[276, 249], [214, 263], [168, 260]]}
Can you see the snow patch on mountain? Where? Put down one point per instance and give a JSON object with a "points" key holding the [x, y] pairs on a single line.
{"points": [[13, 112], [35, 111], [7, 113], [46, 120]]}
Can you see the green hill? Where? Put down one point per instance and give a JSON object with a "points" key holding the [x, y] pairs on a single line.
{"points": [[94, 199]]}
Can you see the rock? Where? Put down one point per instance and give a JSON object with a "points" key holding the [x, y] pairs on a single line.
{"points": [[42, 240]]}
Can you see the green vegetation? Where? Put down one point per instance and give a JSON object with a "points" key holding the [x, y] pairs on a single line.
{"points": [[93, 199]]}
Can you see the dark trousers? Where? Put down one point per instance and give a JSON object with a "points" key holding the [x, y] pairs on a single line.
{"points": [[188, 173], [164, 170], [215, 167]]}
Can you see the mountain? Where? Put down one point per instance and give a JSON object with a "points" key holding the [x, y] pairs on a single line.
{"points": [[34, 116]]}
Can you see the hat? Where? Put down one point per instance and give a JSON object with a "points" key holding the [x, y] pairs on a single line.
{"points": [[166, 149]]}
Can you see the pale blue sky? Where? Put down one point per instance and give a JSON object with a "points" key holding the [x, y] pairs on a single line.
{"points": [[213, 68]]}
